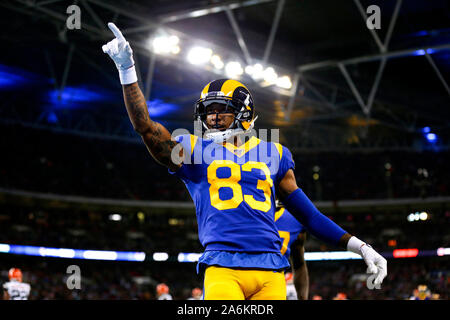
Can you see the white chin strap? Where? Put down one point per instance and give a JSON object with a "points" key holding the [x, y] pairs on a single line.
{"points": [[221, 136]]}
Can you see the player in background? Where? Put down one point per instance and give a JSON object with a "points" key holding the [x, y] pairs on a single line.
{"points": [[421, 293], [15, 289], [291, 292], [340, 296], [196, 294], [162, 292], [235, 202], [293, 234]]}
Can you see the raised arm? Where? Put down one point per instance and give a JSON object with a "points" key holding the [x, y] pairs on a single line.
{"points": [[155, 136], [157, 139]]}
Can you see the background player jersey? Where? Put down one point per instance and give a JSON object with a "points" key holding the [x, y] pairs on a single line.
{"points": [[17, 290], [291, 293], [233, 189], [289, 228], [165, 296]]}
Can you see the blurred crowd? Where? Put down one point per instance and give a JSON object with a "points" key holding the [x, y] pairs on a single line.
{"points": [[84, 228], [327, 279], [42, 161], [337, 280]]}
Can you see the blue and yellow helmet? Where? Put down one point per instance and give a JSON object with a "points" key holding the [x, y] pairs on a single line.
{"points": [[235, 96]]}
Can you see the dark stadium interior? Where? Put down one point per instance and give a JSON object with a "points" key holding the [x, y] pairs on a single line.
{"points": [[64, 132], [125, 281]]}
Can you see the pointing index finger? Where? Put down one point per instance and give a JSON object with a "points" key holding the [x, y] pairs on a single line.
{"points": [[116, 31]]}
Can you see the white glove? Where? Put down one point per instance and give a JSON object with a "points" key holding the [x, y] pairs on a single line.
{"points": [[120, 52], [376, 264]]}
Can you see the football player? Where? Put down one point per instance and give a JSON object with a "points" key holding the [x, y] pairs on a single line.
{"points": [[421, 293], [233, 183], [293, 236], [15, 289], [196, 294], [162, 292]]}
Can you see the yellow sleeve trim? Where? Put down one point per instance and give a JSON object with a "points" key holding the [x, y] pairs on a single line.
{"points": [[193, 142], [279, 213], [280, 149]]}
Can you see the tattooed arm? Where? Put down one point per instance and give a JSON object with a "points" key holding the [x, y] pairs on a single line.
{"points": [[156, 137]]}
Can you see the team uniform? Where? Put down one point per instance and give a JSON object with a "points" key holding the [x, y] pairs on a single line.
{"points": [[162, 292], [288, 228], [17, 290], [165, 296], [242, 201], [233, 189], [196, 294], [291, 292]]}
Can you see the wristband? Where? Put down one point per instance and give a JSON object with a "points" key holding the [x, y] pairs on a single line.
{"points": [[128, 76], [355, 245]]}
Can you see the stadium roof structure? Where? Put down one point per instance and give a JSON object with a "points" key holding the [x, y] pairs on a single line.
{"points": [[349, 86]]}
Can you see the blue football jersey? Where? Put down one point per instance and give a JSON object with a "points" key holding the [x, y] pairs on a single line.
{"points": [[233, 189], [289, 228]]}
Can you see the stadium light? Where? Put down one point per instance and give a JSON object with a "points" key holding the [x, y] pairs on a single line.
{"points": [[188, 257], [217, 62], [233, 69], [413, 217], [56, 252], [160, 256], [284, 82], [12, 77], [99, 255], [249, 70], [270, 76], [115, 217], [417, 216], [331, 255], [257, 71], [193, 257], [166, 44], [431, 137], [4, 248], [72, 253], [405, 253], [199, 55], [423, 216], [443, 252], [426, 129], [419, 52]]}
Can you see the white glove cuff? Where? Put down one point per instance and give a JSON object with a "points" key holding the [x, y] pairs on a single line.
{"points": [[354, 245], [128, 76]]}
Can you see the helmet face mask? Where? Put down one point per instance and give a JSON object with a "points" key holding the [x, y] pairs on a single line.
{"points": [[237, 100]]}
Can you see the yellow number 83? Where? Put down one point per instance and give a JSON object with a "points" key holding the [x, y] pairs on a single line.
{"points": [[233, 182]]}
